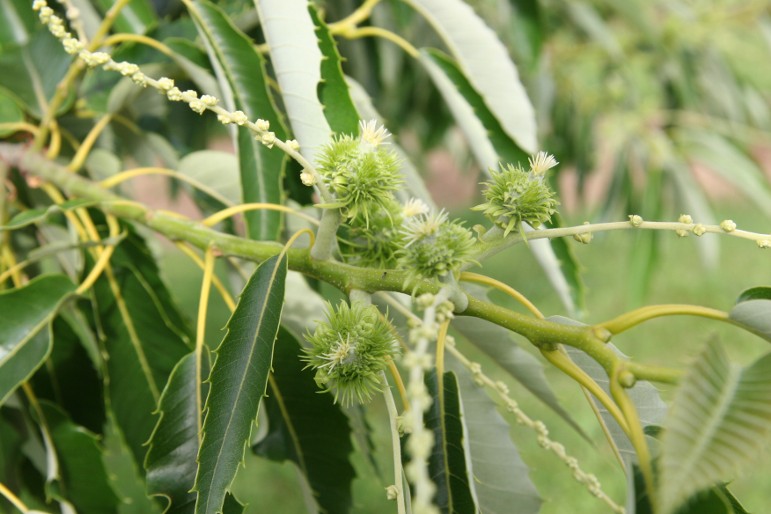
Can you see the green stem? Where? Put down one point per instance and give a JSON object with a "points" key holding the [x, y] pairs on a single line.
{"points": [[326, 236], [396, 446], [630, 319]]}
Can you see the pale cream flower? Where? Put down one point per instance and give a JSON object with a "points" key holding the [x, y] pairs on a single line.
{"points": [[414, 207], [541, 162], [371, 133]]}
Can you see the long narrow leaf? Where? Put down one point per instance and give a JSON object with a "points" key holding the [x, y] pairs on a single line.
{"points": [[238, 381], [25, 337], [719, 421], [241, 71], [307, 428], [296, 59]]}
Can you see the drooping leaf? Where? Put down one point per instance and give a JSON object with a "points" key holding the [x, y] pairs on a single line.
{"points": [[242, 78], [499, 344], [308, 429], [173, 446], [296, 59], [25, 335], [447, 464], [144, 336], [238, 381], [719, 421], [486, 63], [499, 477], [333, 92], [84, 481]]}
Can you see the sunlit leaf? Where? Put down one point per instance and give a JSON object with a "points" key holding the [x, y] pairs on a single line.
{"points": [[307, 428], [719, 421], [25, 335], [238, 381]]}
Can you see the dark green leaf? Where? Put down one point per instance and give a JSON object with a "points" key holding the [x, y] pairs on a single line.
{"points": [[753, 311], [719, 421], [173, 447], [333, 91], [25, 335], [307, 428], [238, 382], [17, 20], [144, 336], [241, 72], [447, 463], [500, 478], [83, 481]]}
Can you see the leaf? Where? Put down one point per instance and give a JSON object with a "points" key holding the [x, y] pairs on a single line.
{"points": [[753, 311], [339, 109], [242, 77], [499, 344], [499, 476], [217, 170], [296, 59], [10, 112], [719, 421], [84, 481], [307, 428], [31, 216], [15, 23], [144, 336], [447, 462], [486, 63], [650, 407], [25, 335], [173, 446], [238, 381], [137, 17]]}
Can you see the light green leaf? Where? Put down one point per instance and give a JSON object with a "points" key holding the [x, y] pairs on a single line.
{"points": [[447, 463], [218, 171], [25, 335], [84, 481], [753, 311], [173, 446], [333, 92], [499, 344], [719, 421], [296, 59], [242, 77], [40, 214], [238, 382], [10, 112], [486, 63], [307, 428], [499, 476]]}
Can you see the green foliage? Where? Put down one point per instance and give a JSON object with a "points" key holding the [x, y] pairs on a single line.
{"points": [[110, 400]]}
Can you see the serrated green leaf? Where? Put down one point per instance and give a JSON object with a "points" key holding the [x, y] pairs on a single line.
{"points": [[307, 428], [238, 381], [486, 63], [719, 421], [447, 463], [144, 336], [83, 477], [296, 59], [242, 78], [333, 92], [499, 344], [499, 476], [25, 335], [173, 446]]}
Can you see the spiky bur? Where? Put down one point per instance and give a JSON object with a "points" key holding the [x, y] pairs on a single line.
{"points": [[361, 172], [514, 195], [433, 246], [376, 245], [349, 350]]}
